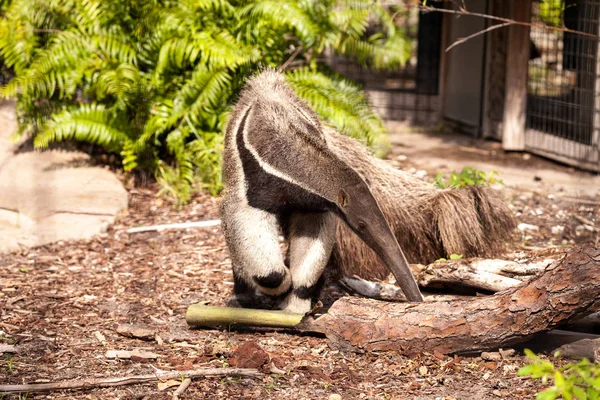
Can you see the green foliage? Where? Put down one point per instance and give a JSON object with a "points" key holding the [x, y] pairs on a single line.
{"points": [[453, 257], [579, 381], [467, 177], [551, 12], [154, 80]]}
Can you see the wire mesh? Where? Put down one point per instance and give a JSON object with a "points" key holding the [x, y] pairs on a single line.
{"points": [[562, 70], [411, 91]]}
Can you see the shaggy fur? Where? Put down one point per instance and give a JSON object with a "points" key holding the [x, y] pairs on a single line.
{"points": [[428, 222], [279, 159]]}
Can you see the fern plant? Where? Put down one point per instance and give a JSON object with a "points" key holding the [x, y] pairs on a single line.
{"points": [[154, 80]]}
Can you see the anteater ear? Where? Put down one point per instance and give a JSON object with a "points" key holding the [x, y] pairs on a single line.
{"points": [[342, 199]]}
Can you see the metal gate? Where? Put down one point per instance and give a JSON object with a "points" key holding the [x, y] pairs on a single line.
{"points": [[563, 118]]}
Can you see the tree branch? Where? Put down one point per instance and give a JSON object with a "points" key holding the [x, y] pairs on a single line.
{"points": [[483, 32], [463, 11], [128, 380]]}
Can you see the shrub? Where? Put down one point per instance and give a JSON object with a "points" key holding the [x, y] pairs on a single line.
{"points": [[572, 381], [467, 177], [154, 80]]}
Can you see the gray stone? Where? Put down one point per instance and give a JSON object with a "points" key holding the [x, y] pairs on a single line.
{"points": [[49, 196]]}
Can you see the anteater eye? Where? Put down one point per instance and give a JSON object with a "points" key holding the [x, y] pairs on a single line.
{"points": [[361, 226]]}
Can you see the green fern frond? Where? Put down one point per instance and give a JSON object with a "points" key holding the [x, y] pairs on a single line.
{"points": [[341, 103], [89, 123], [119, 83], [284, 13], [375, 51], [223, 7], [17, 43], [113, 46], [215, 50], [52, 68], [206, 91]]}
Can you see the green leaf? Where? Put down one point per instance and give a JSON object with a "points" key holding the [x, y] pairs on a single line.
{"points": [[548, 394], [526, 370], [579, 393]]}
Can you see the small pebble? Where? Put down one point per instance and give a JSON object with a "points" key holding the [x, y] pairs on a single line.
{"points": [[527, 227], [488, 356]]}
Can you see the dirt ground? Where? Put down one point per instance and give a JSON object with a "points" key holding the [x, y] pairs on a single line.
{"points": [[61, 305]]}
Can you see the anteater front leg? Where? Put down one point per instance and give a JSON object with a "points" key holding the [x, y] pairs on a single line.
{"points": [[258, 265], [311, 236]]}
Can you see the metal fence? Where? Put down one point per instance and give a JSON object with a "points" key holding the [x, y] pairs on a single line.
{"points": [[562, 104], [411, 92], [562, 70]]}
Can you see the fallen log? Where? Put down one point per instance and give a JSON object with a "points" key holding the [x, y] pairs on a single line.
{"points": [[480, 274], [584, 348], [567, 290]]}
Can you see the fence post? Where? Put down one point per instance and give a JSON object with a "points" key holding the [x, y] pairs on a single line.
{"points": [[515, 106], [595, 157]]}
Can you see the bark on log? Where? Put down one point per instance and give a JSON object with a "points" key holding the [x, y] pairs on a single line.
{"points": [[567, 290], [485, 274]]}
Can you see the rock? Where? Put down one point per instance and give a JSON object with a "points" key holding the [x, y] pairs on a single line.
{"points": [[557, 229], [489, 356], [335, 396], [136, 331], [507, 353], [249, 355], [528, 228], [421, 174], [52, 195]]}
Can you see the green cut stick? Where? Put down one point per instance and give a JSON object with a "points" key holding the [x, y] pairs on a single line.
{"points": [[199, 315]]}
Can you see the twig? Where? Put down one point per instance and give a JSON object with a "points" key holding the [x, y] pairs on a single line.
{"points": [[183, 225], [287, 62], [182, 388], [580, 201], [483, 32], [585, 221], [463, 11], [129, 380]]}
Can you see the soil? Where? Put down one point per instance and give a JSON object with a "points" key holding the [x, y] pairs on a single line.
{"points": [[61, 305]]}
